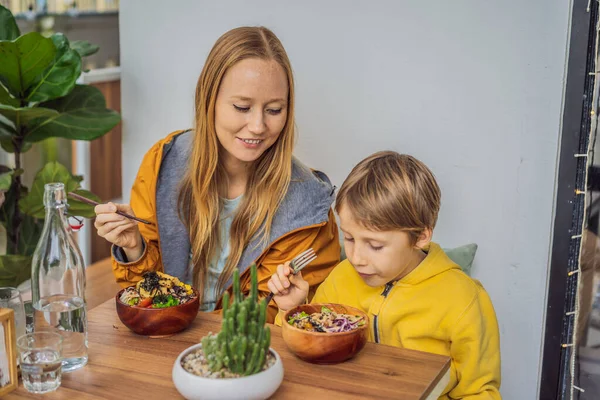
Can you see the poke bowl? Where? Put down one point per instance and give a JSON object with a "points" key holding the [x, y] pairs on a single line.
{"points": [[325, 333], [158, 305]]}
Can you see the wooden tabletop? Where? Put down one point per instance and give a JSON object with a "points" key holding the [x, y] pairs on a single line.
{"points": [[100, 283], [121, 363]]}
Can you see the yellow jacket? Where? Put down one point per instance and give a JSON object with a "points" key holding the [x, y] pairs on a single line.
{"points": [[320, 233], [437, 309]]}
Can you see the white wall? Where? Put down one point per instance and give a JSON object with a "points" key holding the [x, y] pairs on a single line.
{"points": [[472, 88]]}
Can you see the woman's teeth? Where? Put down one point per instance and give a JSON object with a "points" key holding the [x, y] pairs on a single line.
{"points": [[249, 141]]}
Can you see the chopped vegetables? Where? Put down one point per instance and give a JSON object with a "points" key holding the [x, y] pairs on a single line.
{"points": [[327, 321], [157, 290], [297, 316], [133, 301], [147, 302], [163, 301]]}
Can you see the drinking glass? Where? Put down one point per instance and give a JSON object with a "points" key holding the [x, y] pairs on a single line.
{"points": [[10, 297], [40, 354]]}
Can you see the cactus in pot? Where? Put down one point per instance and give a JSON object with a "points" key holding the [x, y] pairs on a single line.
{"points": [[236, 363], [243, 343]]}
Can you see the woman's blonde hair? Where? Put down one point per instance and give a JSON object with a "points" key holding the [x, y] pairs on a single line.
{"points": [[391, 191], [206, 181]]}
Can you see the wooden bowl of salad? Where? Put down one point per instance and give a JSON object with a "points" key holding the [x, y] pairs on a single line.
{"points": [[325, 333], [158, 305]]}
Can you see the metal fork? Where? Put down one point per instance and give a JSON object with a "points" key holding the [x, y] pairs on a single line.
{"points": [[298, 264]]}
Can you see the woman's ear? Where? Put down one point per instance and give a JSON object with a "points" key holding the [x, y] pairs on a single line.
{"points": [[424, 238]]}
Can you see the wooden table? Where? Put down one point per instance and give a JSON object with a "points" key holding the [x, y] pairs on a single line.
{"points": [[100, 283], [125, 365]]}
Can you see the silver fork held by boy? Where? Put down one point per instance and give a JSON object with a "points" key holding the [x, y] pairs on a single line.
{"points": [[298, 264]]}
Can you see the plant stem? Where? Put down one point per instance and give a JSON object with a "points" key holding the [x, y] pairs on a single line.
{"points": [[14, 232]]}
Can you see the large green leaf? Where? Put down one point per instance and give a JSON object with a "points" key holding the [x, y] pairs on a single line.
{"points": [[7, 128], [6, 180], [78, 178], [23, 60], [8, 145], [19, 117], [33, 203], [84, 48], [6, 98], [30, 231], [14, 270], [7, 210], [9, 207], [8, 26], [23, 115], [80, 209], [83, 116], [8, 136], [60, 77]]}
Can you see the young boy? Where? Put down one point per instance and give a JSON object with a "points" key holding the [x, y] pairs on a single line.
{"points": [[415, 296]]}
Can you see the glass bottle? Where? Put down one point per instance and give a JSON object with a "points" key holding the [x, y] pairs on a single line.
{"points": [[58, 281]]}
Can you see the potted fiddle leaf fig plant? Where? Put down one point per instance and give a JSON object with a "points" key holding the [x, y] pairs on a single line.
{"points": [[236, 363], [40, 99]]}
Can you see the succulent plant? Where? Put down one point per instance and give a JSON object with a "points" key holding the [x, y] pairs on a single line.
{"points": [[243, 342]]}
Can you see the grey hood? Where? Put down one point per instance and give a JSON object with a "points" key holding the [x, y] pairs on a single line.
{"points": [[307, 202]]}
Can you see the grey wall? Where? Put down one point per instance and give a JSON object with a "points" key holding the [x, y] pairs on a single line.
{"points": [[471, 88]]}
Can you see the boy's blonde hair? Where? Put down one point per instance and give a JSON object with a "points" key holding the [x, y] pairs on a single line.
{"points": [[391, 191]]}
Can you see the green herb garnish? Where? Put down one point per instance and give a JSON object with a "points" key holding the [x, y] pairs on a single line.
{"points": [[326, 310], [297, 317], [164, 301]]}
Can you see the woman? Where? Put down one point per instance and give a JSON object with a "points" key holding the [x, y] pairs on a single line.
{"points": [[228, 193]]}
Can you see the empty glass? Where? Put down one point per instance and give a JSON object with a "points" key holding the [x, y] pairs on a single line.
{"points": [[11, 298], [40, 354]]}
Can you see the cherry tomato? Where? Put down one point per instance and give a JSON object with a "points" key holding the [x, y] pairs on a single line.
{"points": [[147, 302]]}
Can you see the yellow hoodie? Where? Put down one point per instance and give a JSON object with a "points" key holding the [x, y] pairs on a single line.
{"points": [[436, 308]]}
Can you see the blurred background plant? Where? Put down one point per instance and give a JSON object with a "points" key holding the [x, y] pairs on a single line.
{"points": [[40, 100]]}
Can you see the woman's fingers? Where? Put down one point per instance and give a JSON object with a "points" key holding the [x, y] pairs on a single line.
{"points": [[102, 219], [105, 208], [109, 227]]}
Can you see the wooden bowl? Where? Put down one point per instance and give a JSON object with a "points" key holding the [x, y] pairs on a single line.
{"points": [[320, 347], [157, 321]]}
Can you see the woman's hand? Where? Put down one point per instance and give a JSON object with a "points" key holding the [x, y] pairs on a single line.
{"points": [[118, 230]]}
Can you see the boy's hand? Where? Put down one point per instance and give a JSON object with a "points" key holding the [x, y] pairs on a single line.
{"points": [[290, 290]]}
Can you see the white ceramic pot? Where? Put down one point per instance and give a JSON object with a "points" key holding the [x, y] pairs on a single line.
{"points": [[254, 387]]}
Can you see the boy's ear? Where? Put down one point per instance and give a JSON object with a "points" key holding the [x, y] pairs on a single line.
{"points": [[424, 238]]}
